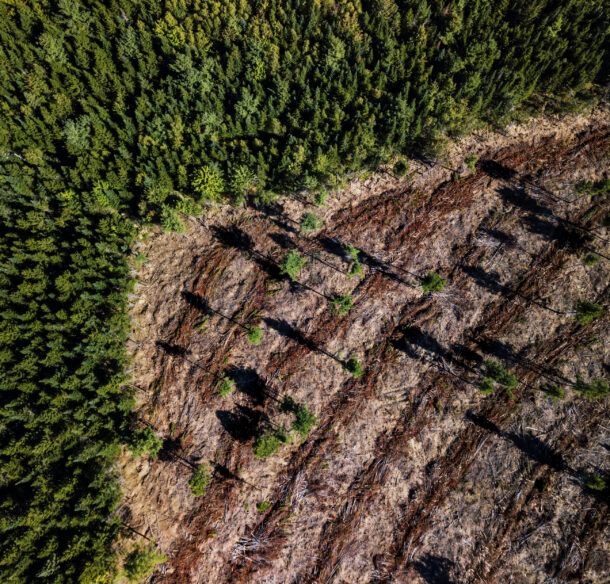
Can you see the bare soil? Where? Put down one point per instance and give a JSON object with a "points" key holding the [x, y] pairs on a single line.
{"points": [[411, 474]]}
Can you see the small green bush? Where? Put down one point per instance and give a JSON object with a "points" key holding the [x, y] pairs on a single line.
{"points": [[268, 443], [145, 440], [311, 222], [401, 168], [171, 222], [471, 162], [599, 187], [319, 199], [199, 481], [255, 335], [595, 482], [433, 283], [140, 564], [341, 305], [356, 268], [495, 371], [304, 421], [353, 366], [293, 263], [227, 385], [265, 198], [552, 390], [590, 259], [597, 389], [587, 311], [486, 385], [263, 506]]}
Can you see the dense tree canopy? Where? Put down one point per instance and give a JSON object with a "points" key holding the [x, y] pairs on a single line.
{"points": [[117, 113]]}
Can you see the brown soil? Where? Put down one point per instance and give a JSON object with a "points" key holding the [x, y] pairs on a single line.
{"points": [[411, 475]]}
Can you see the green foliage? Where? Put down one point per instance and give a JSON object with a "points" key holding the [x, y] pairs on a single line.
{"points": [[255, 336], [268, 443], [199, 480], [171, 222], [471, 162], [486, 385], [496, 372], [311, 222], [227, 385], [208, 184], [353, 366], [304, 420], [590, 259], [597, 389], [433, 283], [293, 263], [141, 563], [552, 390], [341, 305], [356, 269], [263, 506], [601, 187], [595, 482], [144, 441], [587, 311], [319, 199], [401, 168]]}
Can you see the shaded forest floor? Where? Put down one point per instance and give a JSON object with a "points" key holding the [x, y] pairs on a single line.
{"points": [[411, 474]]}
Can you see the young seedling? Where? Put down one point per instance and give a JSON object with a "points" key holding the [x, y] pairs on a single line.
{"points": [[353, 366], [401, 168], [597, 389], [587, 311], [595, 482], [263, 506], [311, 222], [320, 198], [341, 305], [471, 162], [552, 390], [356, 268], [199, 480], [433, 283], [227, 385], [590, 259], [268, 443], [293, 263], [255, 335]]}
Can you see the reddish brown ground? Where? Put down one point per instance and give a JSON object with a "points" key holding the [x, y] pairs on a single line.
{"points": [[411, 474]]}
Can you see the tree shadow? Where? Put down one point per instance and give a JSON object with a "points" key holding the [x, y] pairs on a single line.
{"points": [[232, 236], [287, 242], [532, 446], [413, 335], [435, 569], [170, 449], [288, 331], [176, 350], [496, 170], [241, 424], [249, 382], [333, 246], [506, 239]]}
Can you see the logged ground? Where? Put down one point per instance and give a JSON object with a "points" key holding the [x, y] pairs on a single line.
{"points": [[411, 474]]}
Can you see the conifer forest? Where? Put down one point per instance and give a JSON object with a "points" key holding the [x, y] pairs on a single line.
{"points": [[304, 291]]}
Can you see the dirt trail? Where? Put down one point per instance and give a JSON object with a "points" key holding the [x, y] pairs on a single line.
{"points": [[360, 490]]}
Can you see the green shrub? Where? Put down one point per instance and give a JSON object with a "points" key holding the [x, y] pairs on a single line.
{"points": [[341, 305], [227, 385], [171, 222], [319, 199], [304, 421], [495, 371], [140, 564], [401, 168], [587, 311], [266, 198], [293, 263], [486, 385], [268, 443], [552, 390], [590, 259], [597, 389], [311, 222], [595, 482], [356, 268], [140, 258], [255, 335], [433, 283], [145, 440], [263, 506], [199, 480], [471, 162], [353, 366], [599, 187]]}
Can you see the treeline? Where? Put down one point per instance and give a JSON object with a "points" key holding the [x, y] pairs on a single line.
{"points": [[118, 112]]}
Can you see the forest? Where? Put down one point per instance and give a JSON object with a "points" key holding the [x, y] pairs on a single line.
{"points": [[118, 116]]}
